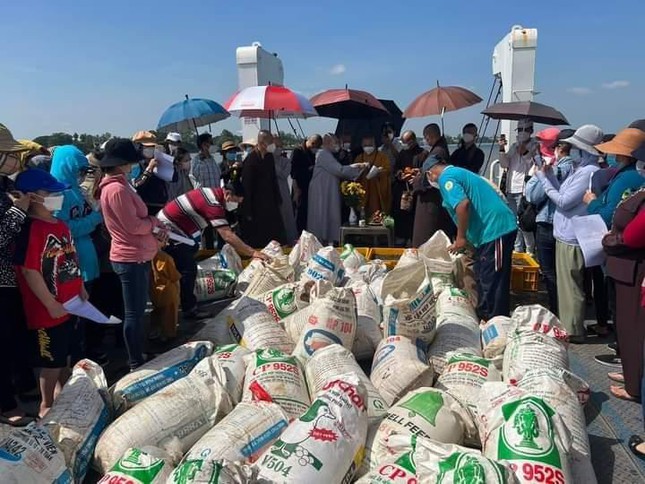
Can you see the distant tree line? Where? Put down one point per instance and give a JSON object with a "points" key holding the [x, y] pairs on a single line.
{"points": [[88, 142]]}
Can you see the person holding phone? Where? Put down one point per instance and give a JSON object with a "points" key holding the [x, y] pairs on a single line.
{"points": [[517, 161]]}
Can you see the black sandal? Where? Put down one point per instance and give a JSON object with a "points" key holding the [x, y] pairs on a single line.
{"points": [[635, 441], [594, 330], [17, 423]]}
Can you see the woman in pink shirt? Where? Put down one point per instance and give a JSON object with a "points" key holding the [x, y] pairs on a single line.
{"points": [[134, 239]]}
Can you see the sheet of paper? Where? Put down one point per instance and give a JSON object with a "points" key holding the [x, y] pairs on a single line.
{"points": [[374, 172], [180, 238], [86, 310], [165, 168], [177, 237], [589, 230]]}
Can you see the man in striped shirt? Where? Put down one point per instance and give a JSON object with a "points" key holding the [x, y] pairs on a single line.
{"points": [[188, 215]]}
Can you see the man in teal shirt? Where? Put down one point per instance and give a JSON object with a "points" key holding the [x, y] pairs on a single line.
{"points": [[485, 222]]}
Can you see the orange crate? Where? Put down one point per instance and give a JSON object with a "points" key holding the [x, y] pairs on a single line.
{"points": [[389, 256], [525, 276]]}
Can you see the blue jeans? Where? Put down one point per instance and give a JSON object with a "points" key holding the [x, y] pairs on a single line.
{"points": [[493, 263], [545, 244], [135, 281]]}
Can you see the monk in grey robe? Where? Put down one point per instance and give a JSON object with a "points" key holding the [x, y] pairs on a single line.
{"points": [[324, 210]]}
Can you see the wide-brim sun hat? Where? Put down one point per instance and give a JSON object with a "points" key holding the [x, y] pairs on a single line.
{"points": [[145, 138], [228, 145], [119, 152], [639, 153], [249, 142], [625, 143], [8, 144], [586, 138]]}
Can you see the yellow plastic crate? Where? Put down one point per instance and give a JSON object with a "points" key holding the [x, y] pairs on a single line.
{"points": [[525, 276], [389, 256], [364, 251]]}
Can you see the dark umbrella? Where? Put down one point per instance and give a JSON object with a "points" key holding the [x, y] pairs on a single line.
{"points": [[538, 113], [358, 128], [348, 104]]}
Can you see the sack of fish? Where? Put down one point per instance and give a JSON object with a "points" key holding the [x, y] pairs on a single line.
{"points": [[320, 373]]}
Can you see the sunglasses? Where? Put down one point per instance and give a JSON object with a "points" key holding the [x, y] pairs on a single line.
{"points": [[526, 130]]}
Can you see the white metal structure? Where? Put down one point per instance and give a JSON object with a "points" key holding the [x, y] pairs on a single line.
{"points": [[257, 67], [514, 64]]}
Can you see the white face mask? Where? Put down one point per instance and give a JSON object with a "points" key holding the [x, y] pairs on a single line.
{"points": [[53, 202], [212, 150], [434, 184], [347, 146], [172, 149], [468, 137], [231, 206], [405, 146], [523, 136], [148, 152], [271, 148], [368, 150]]}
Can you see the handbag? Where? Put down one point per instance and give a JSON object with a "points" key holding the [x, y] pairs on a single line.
{"points": [[527, 214], [626, 211]]}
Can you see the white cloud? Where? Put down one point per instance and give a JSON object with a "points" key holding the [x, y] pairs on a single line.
{"points": [[579, 91], [615, 84], [337, 70]]}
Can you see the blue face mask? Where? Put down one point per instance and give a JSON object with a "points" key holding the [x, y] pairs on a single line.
{"points": [[231, 156], [611, 160]]}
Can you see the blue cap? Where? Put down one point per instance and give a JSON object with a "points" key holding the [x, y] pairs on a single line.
{"points": [[34, 179], [430, 161]]}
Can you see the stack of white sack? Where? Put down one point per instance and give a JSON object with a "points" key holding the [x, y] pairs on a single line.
{"points": [[172, 419]]}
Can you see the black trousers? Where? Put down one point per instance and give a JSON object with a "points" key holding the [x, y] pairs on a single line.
{"points": [[493, 265], [16, 374], [184, 257]]}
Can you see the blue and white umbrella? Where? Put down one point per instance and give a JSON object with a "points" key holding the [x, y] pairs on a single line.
{"points": [[191, 113]]}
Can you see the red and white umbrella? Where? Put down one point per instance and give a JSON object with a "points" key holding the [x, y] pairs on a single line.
{"points": [[269, 102]]}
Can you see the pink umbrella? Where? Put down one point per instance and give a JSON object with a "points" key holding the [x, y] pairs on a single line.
{"points": [[269, 102]]}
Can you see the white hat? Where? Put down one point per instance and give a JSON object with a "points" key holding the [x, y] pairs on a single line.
{"points": [[250, 142], [525, 123], [586, 137], [174, 137]]}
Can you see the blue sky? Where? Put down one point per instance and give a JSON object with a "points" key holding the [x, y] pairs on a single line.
{"points": [[114, 66]]}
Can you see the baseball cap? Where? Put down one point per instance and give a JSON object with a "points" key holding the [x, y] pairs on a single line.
{"points": [[173, 137], [34, 179]]}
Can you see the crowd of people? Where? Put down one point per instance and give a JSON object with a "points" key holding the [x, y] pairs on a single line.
{"points": [[98, 225]]}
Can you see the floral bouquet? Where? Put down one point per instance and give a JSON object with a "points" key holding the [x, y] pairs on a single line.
{"points": [[353, 194]]}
